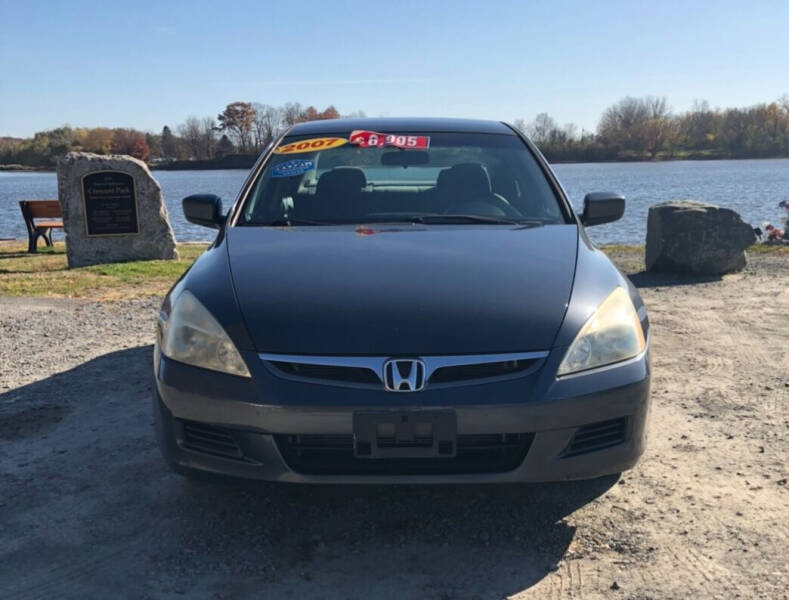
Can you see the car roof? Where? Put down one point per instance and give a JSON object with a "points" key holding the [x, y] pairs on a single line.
{"points": [[401, 124]]}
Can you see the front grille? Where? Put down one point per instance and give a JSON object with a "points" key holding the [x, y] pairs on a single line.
{"points": [[372, 371], [327, 372], [599, 436], [480, 371], [208, 439], [333, 455]]}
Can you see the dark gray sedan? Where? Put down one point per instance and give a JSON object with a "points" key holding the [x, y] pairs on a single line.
{"points": [[400, 301]]}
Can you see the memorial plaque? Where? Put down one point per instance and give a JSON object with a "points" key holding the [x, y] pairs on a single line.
{"points": [[110, 204], [113, 210]]}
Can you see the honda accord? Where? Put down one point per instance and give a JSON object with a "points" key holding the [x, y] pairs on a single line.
{"points": [[402, 301]]}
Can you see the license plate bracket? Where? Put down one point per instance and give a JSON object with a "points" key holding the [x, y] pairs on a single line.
{"points": [[405, 434]]}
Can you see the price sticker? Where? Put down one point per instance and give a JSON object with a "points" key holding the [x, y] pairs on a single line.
{"points": [[373, 139]]}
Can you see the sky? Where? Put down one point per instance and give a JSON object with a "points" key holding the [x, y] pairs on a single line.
{"points": [[148, 64]]}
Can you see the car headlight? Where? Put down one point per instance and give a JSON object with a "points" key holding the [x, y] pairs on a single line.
{"points": [[192, 336], [612, 334]]}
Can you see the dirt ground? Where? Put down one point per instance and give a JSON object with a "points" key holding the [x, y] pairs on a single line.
{"points": [[88, 509]]}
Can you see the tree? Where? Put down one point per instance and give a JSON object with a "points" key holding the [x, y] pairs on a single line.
{"points": [[542, 129], [330, 113], [131, 142], [99, 140], [190, 132], [658, 128], [238, 118], [139, 148], [154, 145], [291, 113], [312, 114], [224, 147], [169, 144], [61, 140], [268, 124], [636, 124], [208, 129]]}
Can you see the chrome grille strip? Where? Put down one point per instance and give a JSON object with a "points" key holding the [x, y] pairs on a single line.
{"points": [[376, 363]]}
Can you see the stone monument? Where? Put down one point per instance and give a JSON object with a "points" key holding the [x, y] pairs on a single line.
{"points": [[113, 210]]}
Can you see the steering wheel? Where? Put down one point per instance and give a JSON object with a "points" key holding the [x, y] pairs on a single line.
{"points": [[491, 205]]}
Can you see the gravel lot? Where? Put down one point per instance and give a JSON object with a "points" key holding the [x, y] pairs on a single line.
{"points": [[88, 508]]}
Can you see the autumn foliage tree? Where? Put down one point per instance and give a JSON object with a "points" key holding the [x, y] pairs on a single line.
{"points": [[131, 142], [99, 140], [238, 119]]}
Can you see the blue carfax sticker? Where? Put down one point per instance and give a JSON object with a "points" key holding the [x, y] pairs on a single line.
{"points": [[291, 168]]}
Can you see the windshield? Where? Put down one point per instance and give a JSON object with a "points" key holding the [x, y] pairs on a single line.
{"points": [[366, 177]]}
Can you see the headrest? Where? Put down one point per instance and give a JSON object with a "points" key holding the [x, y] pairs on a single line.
{"points": [[464, 177], [342, 180]]}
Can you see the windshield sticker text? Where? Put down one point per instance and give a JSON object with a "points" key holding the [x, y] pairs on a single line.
{"points": [[312, 145], [294, 167], [373, 139]]}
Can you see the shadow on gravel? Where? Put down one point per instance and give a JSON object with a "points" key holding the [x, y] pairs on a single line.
{"points": [[645, 279], [90, 509]]}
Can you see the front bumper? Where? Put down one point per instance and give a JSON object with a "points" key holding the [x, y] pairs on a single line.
{"points": [[550, 413]]}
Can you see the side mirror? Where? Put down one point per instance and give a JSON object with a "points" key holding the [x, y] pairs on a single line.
{"points": [[602, 207], [204, 209]]}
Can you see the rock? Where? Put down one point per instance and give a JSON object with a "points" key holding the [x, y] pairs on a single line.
{"points": [[693, 237], [113, 210]]}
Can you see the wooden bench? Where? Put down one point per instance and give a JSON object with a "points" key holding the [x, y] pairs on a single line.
{"points": [[41, 217]]}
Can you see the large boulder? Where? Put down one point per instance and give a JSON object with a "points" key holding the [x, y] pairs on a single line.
{"points": [[113, 210], [693, 237]]}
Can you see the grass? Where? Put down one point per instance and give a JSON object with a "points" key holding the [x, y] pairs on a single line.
{"points": [[768, 249], [47, 274]]}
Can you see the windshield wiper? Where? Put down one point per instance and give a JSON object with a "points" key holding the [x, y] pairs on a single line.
{"points": [[435, 219]]}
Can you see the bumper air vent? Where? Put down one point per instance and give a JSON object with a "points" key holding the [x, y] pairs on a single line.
{"points": [[208, 439], [599, 436], [333, 455]]}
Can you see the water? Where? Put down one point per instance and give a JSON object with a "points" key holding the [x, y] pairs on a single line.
{"points": [[751, 187], [175, 185]]}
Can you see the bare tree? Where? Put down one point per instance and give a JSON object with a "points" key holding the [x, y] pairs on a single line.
{"points": [[636, 124], [190, 132], [520, 125], [542, 129], [208, 131], [783, 102], [269, 122], [292, 113]]}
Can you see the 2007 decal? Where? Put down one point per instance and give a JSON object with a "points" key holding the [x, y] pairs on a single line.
{"points": [[312, 145]]}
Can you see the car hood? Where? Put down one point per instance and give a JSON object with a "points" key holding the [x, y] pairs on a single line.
{"points": [[402, 290]]}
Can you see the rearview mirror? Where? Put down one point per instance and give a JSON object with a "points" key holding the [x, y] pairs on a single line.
{"points": [[602, 207], [405, 158], [204, 209]]}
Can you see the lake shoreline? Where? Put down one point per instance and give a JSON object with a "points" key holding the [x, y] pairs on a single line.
{"points": [[241, 164]]}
